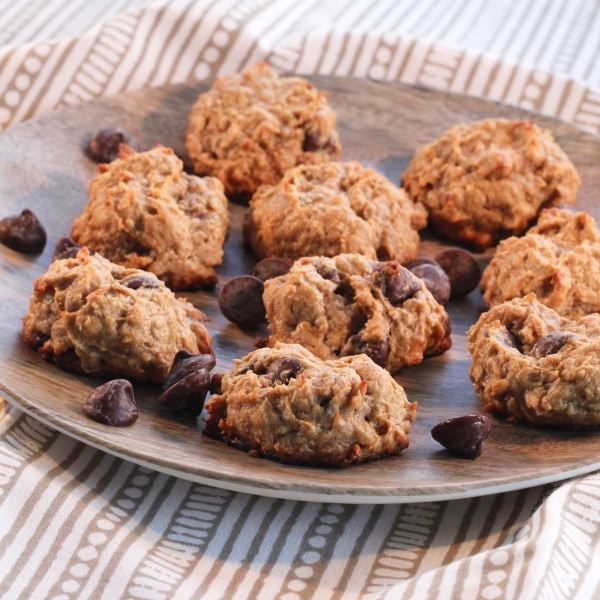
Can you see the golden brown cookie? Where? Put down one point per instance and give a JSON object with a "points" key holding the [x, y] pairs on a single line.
{"points": [[249, 129], [331, 209], [536, 366], [482, 182], [350, 305], [91, 316], [286, 404], [144, 212], [558, 260]]}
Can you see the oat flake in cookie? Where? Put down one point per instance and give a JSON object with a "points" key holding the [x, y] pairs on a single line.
{"points": [[485, 181], [286, 404], [535, 366], [144, 212], [331, 209], [249, 129], [350, 305], [91, 316]]}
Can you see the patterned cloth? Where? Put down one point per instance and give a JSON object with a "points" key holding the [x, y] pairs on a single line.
{"points": [[78, 523]]}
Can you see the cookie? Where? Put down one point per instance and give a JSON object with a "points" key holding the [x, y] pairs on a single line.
{"points": [[485, 181], [350, 305], [249, 129], [144, 212], [285, 404], [535, 366], [331, 209], [558, 260], [91, 316]]}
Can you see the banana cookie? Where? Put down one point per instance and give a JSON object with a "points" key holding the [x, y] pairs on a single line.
{"points": [[249, 129], [331, 209], [144, 212], [485, 181], [351, 305], [536, 366], [558, 260], [285, 404], [91, 316]]}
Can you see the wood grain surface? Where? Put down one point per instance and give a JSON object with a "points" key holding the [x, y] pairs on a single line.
{"points": [[42, 167]]}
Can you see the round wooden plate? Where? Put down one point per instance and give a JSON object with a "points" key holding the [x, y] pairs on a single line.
{"points": [[42, 167]]}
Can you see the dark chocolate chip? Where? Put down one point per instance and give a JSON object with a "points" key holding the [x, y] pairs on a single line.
{"points": [[508, 338], [261, 342], [551, 343], [23, 233], [270, 268], [436, 281], [215, 383], [398, 284], [240, 300], [463, 435], [140, 281], [185, 363], [462, 269], [188, 394], [311, 141], [65, 248], [38, 339], [420, 260], [104, 146], [377, 351], [112, 404], [328, 273], [285, 368]]}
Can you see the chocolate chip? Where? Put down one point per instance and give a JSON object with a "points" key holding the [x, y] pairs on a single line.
{"points": [[140, 281], [285, 368], [215, 383], [328, 273], [112, 404], [397, 284], [377, 351], [436, 281], [551, 343], [65, 248], [270, 268], [261, 342], [462, 269], [311, 141], [38, 339], [104, 146], [463, 435], [185, 363], [240, 300], [23, 233], [420, 260], [188, 394]]}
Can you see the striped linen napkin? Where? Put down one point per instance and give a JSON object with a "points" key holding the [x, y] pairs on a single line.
{"points": [[78, 523]]}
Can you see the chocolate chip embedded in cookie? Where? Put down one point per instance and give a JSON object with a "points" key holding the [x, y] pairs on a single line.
{"points": [[350, 305], [485, 181], [144, 212], [249, 129], [558, 260], [535, 366], [88, 316], [285, 404], [331, 209]]}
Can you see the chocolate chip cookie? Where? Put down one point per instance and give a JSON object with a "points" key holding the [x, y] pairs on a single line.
{"points": [[536, 366], [249, 129], [485, 181], [351, 305], [144, 212], [285, 404], [558, 260], [331, 209], [91, 316]]}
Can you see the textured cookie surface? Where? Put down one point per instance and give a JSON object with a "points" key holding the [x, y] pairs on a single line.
{"points": [[488, 180], [350, 305], [91, 316], [536, 366], [286, 404], [249, 129], [144, 212], [558, 260], [331, 209]]}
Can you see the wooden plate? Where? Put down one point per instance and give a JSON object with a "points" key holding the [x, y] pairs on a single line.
{"points": [[42, 167]]}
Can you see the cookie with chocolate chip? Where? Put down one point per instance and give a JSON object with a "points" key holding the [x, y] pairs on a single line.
{"points": [[88, 315], [535, 366], [286, 404], [350, 305]]}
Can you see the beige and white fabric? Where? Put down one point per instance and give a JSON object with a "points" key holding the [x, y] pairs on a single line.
{"points": [[78, 523]]}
